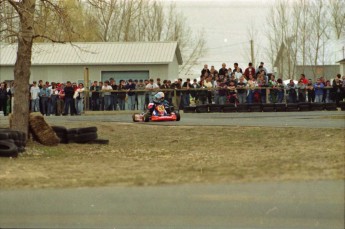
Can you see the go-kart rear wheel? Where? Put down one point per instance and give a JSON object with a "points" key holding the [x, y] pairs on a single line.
{"points": [[146, 117], [178, 116]]}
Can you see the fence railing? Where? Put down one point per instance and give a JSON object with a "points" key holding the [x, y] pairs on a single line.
{"points": [[174, 92]]}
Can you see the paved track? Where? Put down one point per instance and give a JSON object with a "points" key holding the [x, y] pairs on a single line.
{"points": [[283, 205], [320, 119]]}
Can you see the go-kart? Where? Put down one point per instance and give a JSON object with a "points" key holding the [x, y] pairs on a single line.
{"points": [[159, 114]]}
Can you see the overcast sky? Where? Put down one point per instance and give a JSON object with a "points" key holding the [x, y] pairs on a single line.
{"points": [[225, 25]]}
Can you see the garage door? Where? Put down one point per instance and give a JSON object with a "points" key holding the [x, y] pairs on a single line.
{"points": [[122, 75]]}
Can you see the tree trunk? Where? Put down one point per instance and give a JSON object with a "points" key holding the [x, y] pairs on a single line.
{"points": [[22, 66]]}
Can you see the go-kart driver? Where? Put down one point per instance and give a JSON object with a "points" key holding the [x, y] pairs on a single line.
{"points": [[159, 99]]}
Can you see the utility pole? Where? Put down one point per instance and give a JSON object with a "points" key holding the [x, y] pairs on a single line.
{"points": [[252, 51], [86, 85]]}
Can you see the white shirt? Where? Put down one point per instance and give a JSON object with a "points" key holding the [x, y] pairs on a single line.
{"points": [[34, 92], [107, 88]]}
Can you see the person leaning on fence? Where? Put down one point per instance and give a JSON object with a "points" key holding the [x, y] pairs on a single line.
{"points": [[291, 90], [130, 87], [60, 102], [241, 90], [216, 91], [264, 85], [318, 87], [141, 95], [222, 91], [280, 90], [251, 84], [202, 93], [328, 93], [310, 91], [301, 91], [79, 96], [232, 92], [107, 95], [194, 93], [209, 85], [186, 94], [121, 95], [114, 86], [273, 92], [337, 89]]}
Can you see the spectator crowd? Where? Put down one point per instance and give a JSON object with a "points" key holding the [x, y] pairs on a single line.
{"points": [[226, 85]]}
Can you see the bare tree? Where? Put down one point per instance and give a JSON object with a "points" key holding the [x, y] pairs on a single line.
{"points": [[338, 16], [29, 27], [303, 30]]}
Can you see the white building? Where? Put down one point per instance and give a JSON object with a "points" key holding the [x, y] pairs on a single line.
{"points": [[121, 60]]}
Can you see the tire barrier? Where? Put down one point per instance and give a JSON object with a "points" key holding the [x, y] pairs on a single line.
{"points": [[8, 148], [331, 106], [12, 142], [84, 135], [266, 107]]}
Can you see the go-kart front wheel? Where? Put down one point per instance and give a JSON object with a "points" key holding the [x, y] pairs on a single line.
{"points": [[178, 116], [134, 118]]}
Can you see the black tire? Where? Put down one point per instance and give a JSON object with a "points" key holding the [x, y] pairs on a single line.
{"points": [[178, 116], [72, 131], [83, 130], [85, 137], [13, 134], [8, 149], [242, 107], [71, 137], [99, 141], [330, 107], [189, 110], [61, 135], [59, 129], [146, 118], [280, 107], [201, 109], [63, 140], [4, 136], [227, 108]]}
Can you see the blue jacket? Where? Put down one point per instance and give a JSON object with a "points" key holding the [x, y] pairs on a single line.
{"points": [[318, 90]]}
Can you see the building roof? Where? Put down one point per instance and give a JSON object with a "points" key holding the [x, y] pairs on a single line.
{"points": [[96, 53], [341, 61]]}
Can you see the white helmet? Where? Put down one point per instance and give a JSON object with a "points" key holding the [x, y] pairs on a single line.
{"points": [[159, 97]]}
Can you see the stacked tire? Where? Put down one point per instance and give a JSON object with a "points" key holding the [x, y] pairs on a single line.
{"points": [[61, 132], [79, 135], [12, 142]]}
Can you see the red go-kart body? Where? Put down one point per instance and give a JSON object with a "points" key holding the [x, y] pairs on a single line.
{"points": [[158, 114]]}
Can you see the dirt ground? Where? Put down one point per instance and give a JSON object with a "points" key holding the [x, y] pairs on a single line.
{"points": [[140, 155]]}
